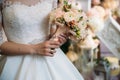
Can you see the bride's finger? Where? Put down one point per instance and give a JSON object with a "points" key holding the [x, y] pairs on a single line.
{"points": [[53, 46], [64, 36], [54, 41], [48, 52], [51, 52]]}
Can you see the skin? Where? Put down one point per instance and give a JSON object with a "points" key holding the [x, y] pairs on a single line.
{"points": [[46, 48]]}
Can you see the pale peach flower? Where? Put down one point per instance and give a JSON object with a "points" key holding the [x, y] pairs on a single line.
{"points": [[55, 14], [96, 2]]}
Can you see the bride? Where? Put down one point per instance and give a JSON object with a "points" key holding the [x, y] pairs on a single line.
{"points": [[27, 53]]}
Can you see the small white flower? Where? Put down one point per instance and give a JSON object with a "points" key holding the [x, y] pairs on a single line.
{"points": [[76, 5]]}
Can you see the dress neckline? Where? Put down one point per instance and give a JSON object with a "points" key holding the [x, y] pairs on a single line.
{"points": [[9, 3]]}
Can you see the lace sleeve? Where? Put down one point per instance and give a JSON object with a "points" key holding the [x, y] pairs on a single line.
{"points": [[3, 38]]}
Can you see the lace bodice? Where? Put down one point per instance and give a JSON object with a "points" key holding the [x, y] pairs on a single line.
{"points": [[27, 24]]}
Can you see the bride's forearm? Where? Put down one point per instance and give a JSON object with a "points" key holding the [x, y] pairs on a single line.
{"points": [[9, 48]]}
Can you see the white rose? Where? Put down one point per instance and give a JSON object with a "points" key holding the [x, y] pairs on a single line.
{"points": [[69, 16]]}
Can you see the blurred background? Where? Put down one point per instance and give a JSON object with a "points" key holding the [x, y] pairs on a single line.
{"points": [[97, 56]]}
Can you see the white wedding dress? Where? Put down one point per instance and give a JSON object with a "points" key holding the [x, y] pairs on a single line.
{"points": [[29, 25]]}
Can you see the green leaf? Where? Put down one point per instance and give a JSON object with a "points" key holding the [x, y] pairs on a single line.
{"points": [[65, 2]]}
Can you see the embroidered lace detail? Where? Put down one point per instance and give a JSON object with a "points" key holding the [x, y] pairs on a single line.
{"points": [[35, 41], [23, 21], [2, 34], [1, 37], [24, 24]]}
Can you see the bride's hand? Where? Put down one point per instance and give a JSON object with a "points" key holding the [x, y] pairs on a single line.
{"points": [[46, 48], [62, 38]]}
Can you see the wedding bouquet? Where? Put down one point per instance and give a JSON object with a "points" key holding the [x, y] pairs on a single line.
{"points": [[71, 18]]}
